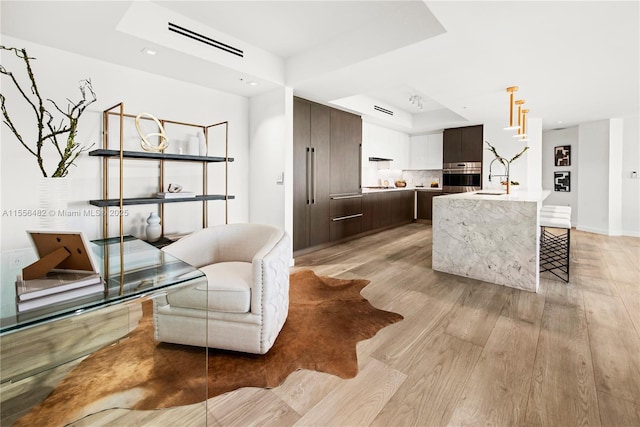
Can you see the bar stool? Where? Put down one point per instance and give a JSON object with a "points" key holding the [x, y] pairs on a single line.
{"points": [[556, 209], [554, 246]]}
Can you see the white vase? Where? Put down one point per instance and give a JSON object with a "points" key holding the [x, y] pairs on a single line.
{"points": [[202, 144], [53, 196], [154, 229], [193, 145]]}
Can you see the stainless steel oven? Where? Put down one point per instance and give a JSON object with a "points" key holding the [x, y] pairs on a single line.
{"points": [[461, 177]]}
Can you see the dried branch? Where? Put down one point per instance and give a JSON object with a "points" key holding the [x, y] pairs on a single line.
{"points": [[519, 154], [69, 152], [495, 153], [502, 159]]}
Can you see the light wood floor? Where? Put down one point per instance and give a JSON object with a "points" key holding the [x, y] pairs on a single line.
{"points": [[467, 352]]}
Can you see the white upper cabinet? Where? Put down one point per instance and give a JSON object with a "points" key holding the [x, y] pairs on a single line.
{"points": [[425, 151]]}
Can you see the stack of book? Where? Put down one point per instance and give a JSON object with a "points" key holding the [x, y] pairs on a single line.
{"points": [[178, 195], [56, 287]]}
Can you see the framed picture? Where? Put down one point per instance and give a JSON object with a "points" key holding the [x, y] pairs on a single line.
{"points": [[562, 181], [563, 155]]}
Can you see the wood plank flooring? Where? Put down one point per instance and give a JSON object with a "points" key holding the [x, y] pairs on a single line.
{"points": [[467, 353]]}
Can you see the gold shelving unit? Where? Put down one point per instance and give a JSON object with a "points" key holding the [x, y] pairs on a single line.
{"points": [[120, 154]]}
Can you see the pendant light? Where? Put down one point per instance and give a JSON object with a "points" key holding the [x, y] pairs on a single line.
{"points": [[511, 91], [524, 125], [520, 133]]}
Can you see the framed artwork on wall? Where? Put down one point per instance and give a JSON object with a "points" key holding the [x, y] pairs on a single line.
{"points": [[563, 155], [562, 181]]}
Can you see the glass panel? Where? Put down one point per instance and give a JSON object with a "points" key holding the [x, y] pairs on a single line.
{"points": [[47, 344]]}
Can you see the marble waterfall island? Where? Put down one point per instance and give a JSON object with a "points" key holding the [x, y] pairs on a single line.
{"points": [[490, 237]]}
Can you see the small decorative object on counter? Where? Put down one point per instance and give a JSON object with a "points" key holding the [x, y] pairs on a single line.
{"points": [[514, 185], [434, 184], [154, 229], [401, 183]]}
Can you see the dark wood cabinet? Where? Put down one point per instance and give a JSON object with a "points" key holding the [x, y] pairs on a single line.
{"points": [[472, 143], [346, 143], [386, 208], [462, 144], [451, 145], [381, 211], [424, 204], [326, 162], [368, 202], [402, 203], [311, 136], [346, 216]]}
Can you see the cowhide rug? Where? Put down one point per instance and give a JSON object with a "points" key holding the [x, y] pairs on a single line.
{"points": [[327, 317]]}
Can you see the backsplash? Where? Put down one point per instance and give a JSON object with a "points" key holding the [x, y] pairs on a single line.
{"points": [[422, 177], [371, 176]]}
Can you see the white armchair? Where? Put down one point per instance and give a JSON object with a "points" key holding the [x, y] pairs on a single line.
{"points": [[244, 302]]}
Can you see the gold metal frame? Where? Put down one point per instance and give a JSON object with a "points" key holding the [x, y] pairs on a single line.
{"points": [[118, 110]]}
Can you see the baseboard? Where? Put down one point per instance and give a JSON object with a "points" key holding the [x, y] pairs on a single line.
{"points": [[627, 233]]}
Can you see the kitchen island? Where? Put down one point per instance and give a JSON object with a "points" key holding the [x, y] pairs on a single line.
{"points": [[489, 236]]}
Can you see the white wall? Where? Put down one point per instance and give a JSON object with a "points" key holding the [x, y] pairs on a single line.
{"points": [[425, 151], [57, 73], [378, 141], [630, 187], [534, 154], [593, 181], [604, 196], [550, 140], [268, 140], [615, 176], [508, 146]]}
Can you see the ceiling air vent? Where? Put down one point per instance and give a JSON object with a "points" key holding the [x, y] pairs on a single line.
{"points": [[383, 110], [204, 39]]}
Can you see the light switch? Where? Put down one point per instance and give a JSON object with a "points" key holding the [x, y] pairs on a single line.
{"points": [[280, 178]]}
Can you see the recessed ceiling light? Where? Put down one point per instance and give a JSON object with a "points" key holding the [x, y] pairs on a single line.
{"points": [[149, 51], [248, 82], [558, 122]]}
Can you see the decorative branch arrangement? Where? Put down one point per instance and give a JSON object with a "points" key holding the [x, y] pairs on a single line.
{"points": [[502, 159], [48, 131]]}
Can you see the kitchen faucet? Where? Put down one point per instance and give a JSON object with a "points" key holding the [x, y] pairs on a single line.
{"points": [[505, 162]]}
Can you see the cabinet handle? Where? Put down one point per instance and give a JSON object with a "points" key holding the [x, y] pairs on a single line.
{"points": [[351, 196], [360, 165], [308, 164], [342, 218], [314, 162]]}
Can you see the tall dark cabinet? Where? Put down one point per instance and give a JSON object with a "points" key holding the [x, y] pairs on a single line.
{"points": [[462, 144], [346, 142], [311, 143], [327, 195]]}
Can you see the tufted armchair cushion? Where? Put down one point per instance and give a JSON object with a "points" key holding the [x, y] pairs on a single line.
{"points": [[244, 301]]}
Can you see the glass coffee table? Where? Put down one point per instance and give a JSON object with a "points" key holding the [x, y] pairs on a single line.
{"points": [[39, 347], [142, 270]]}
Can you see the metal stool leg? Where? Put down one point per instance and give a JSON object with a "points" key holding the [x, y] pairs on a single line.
{"points": [[554, 252]]}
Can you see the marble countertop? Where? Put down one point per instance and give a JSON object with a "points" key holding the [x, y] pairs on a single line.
{"points": [[501, 196]]}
